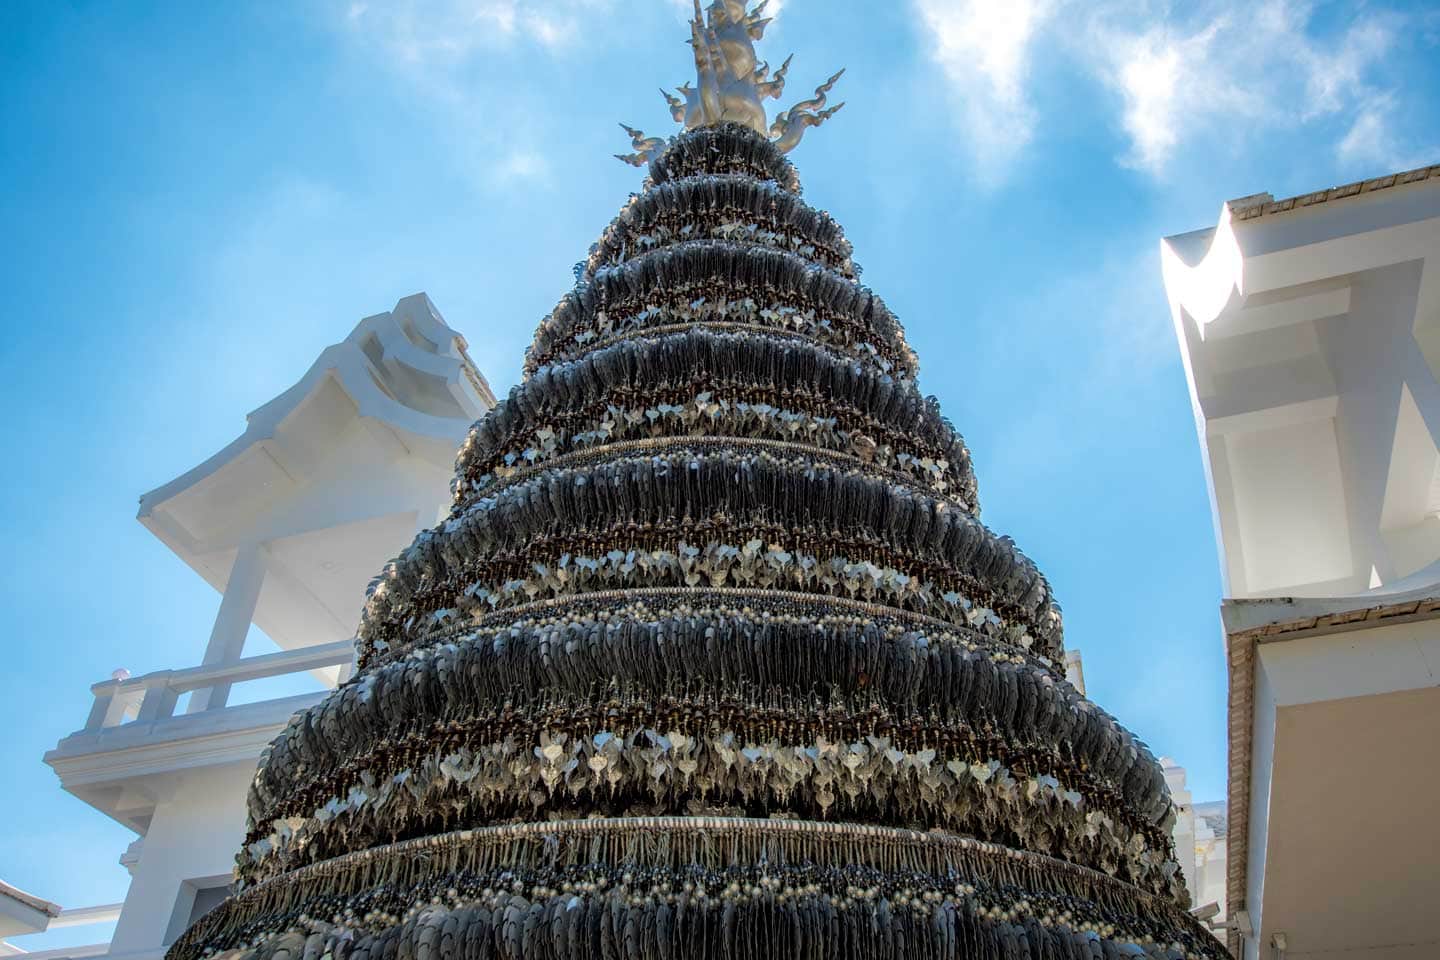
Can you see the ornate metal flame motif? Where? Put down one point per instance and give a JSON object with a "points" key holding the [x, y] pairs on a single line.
{"points": [[732, 84], [713, 657]]}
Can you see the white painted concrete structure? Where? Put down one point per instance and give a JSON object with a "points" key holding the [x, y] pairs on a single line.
{"points": [[1199, 831], [289, 522], [1310, 332], [22, 914], [1199, 846]]}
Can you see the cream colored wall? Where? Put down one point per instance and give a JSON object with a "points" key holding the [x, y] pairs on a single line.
{"points": [[1344, 837]]}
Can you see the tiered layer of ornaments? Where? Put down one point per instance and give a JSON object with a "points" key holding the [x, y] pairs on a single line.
{"points": [[712, 656]]}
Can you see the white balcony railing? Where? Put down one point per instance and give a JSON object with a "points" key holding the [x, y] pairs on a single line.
{"points": [[77, 917], [154, 696]]}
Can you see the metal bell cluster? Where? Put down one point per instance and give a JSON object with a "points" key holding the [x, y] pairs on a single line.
{"points": [[954, 695], [723, 148], [759, 517], [700, 382], [725, 207], [699, 887], [713, 656], [724, 282]]}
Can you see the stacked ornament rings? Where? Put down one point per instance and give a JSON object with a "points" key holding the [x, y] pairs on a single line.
{"points": [[712, 657]]}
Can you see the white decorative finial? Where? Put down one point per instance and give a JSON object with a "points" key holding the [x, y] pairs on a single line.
{"points": [[734, 83], [120, 673], [643, 146]]}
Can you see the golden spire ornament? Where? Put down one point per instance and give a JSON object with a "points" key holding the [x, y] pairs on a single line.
{"points": [[733, 83]]}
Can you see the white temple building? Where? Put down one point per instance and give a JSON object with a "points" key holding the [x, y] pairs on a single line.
{"points": [[1310, 332], [289, 523]]}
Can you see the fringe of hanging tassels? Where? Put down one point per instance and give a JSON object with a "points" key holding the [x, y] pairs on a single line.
{"points": [[721, 270], [697, 757], [738, 206], [938, 676], [720, 149], [880, 892], [598, 506], [783, 373]]}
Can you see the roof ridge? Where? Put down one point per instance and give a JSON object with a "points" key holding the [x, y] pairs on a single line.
{"points": [[1262, 204]]}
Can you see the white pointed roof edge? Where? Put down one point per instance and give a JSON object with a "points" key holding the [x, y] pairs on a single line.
{"points": [[29, 899], [22, 913], [1204, 268], [347, 363], [408, 375]]}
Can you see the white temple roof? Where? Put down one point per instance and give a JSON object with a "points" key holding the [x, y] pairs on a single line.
{"points": [[320, 471], [22, 912]]}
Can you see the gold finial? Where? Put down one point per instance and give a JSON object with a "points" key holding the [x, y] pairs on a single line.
{"points": [[733, 83]]}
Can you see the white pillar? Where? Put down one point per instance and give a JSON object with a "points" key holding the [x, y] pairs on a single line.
{"points": [[1075, 670], [232, 623], [1183, 833], [198, 824]]}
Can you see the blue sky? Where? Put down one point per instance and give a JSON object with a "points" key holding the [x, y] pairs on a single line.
{"points": [[199, 197]]}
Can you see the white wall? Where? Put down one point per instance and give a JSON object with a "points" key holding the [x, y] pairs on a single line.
{"points": [[196, 831]]}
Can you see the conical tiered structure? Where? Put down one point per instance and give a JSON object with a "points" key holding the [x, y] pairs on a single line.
{"points": [[713, 657]]}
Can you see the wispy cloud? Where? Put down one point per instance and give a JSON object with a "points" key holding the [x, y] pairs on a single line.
{"points": [[521, 164], [1373, 143], [413, 30], [1154, 72], [456, 55], [1179, 75], [1369, 139], [984, 50], [1227, 67]]}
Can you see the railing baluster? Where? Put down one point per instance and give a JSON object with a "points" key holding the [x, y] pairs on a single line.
{"points": [[160, 698], [113, 700], [157, 694], [100, 710]]}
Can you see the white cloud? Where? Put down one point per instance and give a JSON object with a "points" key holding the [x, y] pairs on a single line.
{"points": [[1183, 77], [984, 50], [458, 55], [1165, 79], [1369, 139], [448, 30], [521, 164], [1225, 69], [1332, 77], [1148, 77], [1371, 146]]}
